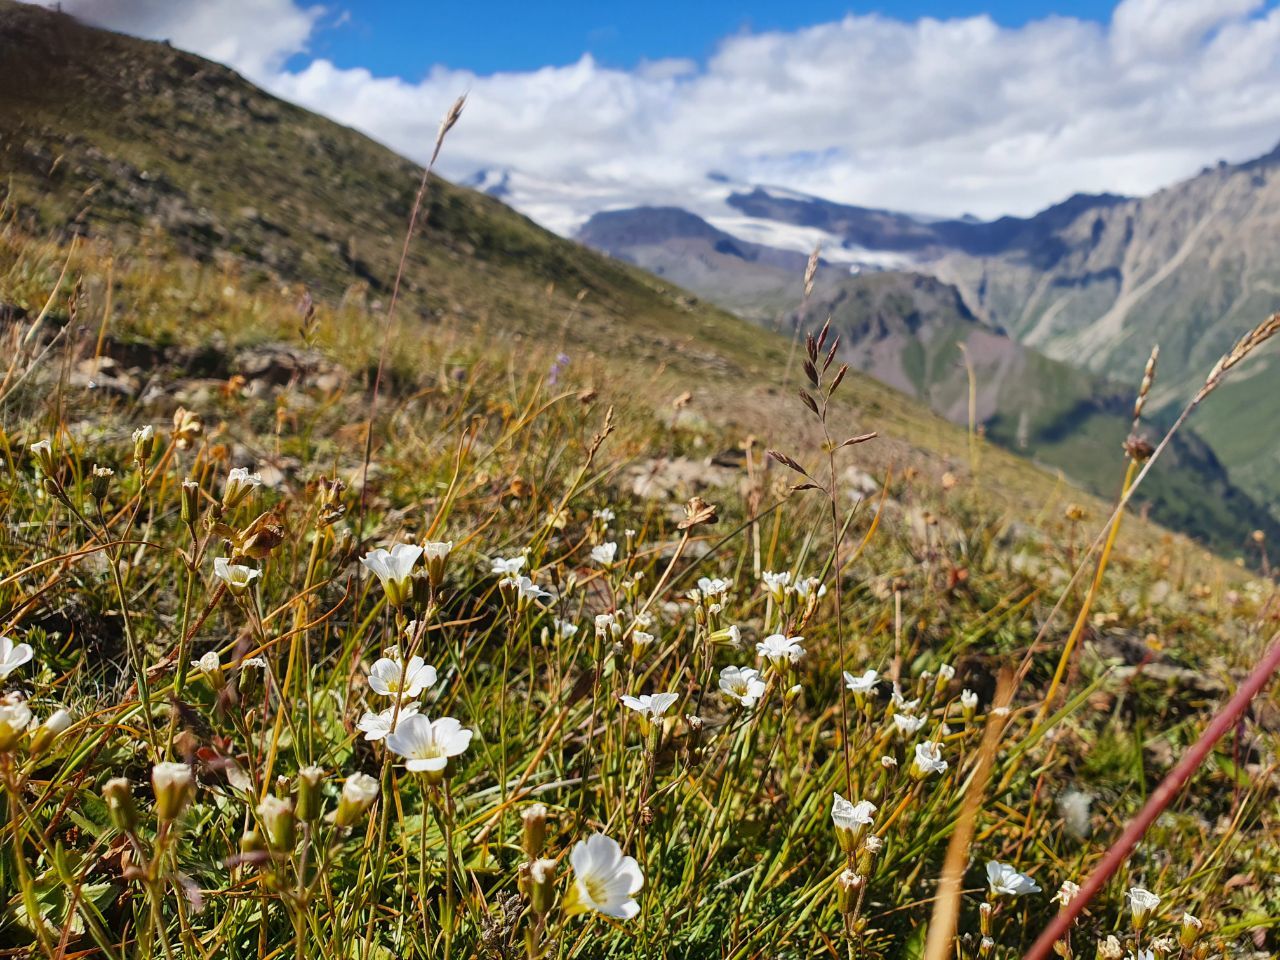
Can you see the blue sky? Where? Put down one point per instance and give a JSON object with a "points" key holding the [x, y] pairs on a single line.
{"points": [[407, 37], [939, 107]]}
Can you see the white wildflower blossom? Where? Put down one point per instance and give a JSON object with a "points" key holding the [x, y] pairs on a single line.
{"points": [[428, 745], [1005, 881], [376, 726], [604, 553], [928, 760], [236, 576], [603, 879], [780, 649], [391, 678], [742, 684], [651, 705], [13, 655]]}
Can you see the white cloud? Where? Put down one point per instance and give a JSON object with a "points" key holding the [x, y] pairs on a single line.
{"points": [[254, 36], [937, 116]]}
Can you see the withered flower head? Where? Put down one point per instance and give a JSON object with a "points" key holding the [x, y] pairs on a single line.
{"points": [[187, 427], [1138, 448], [697, 512], [261, 537]]}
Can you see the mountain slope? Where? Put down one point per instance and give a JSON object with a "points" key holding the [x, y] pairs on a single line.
{"points": [[125, 140], [916, 334], [1095, 281]]}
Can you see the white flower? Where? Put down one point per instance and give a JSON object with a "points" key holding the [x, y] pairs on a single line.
{"points": [[507, 566], [427, 745], [606, 624], [946, 673], [847, 815], [565, 630], [240, 483], [906, 724], [375, 726], [968, 701], [358, 794], [360, 788], [12, 656], [713, 587], [604, 553], [779, 649], [393, 568], [1066, 893], [651, 705], [603, 879], [393, 679], [209, 663], [41, 449], [15, 717], [742, 684], [172, 785], [928, 759], [144, 434], [863, 684], [59, 721], [809, 585], [1142, 904], [776, 583], [901, 703], [436, 550], [604, 514], [236, 576], [1005, 881], [524, 589]]}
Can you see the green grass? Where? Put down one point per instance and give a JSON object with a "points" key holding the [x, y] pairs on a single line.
{"points": [[728, 816]]}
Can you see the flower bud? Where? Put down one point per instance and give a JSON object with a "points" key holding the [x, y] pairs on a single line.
{"points": [[535, 830], [984, 918], [118, 794], [1190, 931], [54, 726], [173, 786], [435, 555], [309, 799], [542, 886], [358, 794], [42, 453], [144, 443], [190, 502], [279, 823]]}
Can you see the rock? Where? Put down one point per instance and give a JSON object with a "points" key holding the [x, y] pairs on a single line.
{"points": [[104, 374], [677, 479], [278, 364]]}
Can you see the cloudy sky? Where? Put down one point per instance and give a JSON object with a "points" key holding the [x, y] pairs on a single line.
{"points": [[933, 106]]}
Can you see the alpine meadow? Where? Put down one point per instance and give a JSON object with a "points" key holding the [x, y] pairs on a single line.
{"points": [[385, 576]]}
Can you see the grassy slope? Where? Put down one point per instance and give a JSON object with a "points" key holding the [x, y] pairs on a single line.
{"points": [[157, 139]]}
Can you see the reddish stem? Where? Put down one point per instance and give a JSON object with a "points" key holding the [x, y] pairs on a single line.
{"points": [[1160, 798]]}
